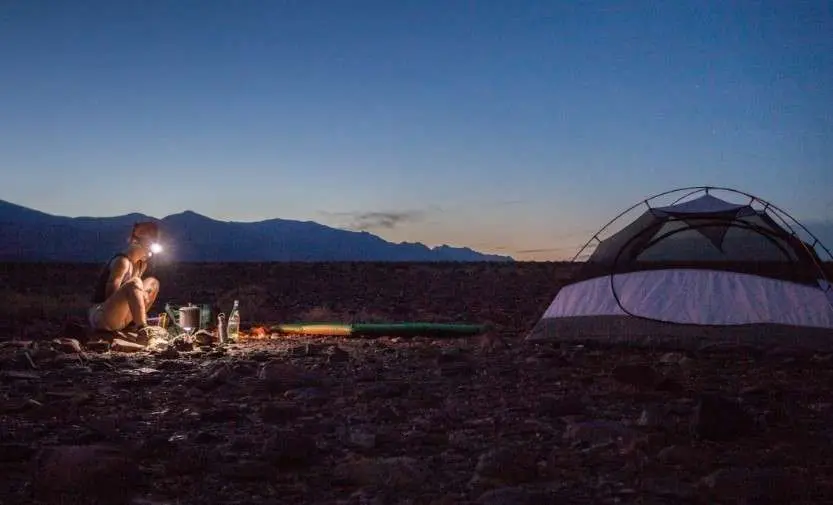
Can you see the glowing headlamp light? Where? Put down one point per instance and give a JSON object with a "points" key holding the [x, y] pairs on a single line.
{"points": [[155, 248]]}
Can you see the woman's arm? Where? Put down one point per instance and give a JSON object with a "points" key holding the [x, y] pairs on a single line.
{"points": [[118, 269], [141, 267]]}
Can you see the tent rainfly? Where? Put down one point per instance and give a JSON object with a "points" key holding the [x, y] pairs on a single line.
{"points": [[698, 271]]}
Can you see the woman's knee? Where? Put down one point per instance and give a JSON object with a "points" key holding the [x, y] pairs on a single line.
{"points": [[151, 284], [134, 284]]}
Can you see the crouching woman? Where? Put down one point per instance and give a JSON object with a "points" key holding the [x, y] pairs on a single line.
{"points": [[121, 296]]}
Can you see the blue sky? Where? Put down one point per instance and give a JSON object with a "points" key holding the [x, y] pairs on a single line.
{"points": [[510, 127]]}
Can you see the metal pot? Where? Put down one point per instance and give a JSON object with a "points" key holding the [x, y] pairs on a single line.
{"points": [[189, 317]]}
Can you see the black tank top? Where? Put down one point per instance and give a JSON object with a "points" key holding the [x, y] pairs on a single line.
{"points": [[100, 292]]}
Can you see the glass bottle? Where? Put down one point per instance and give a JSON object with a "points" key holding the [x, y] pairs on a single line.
{"points": [[233, 331]]}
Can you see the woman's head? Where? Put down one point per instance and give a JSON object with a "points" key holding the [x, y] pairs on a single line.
{"points": [[145, 235]]}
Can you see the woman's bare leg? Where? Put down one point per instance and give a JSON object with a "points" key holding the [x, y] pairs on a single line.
{"points": [[151, 288], [125, 305]]}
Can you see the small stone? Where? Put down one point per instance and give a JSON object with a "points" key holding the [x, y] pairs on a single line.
{"points": [[67, 345], [507, 465], [121, 345], [279, 377], [398, 472], [98, 346], [363, 439], [203, 337], [671, 358], [769, 486], [652, 417], [684, 457], [718, 418], [168, 353], [247, 470], [508, 496], [638, 376], [288, 449], [311, 394], [335, 354], [558, 406], [280, 412]]}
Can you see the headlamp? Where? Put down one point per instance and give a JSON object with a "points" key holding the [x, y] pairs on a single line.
{"points": [[156, 248]]}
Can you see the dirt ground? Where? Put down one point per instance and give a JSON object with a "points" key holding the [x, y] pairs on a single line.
{"points": [[391, 420]]}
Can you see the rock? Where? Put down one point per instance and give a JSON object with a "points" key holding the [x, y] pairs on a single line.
{"points": [[92, 473], [279, 377], [769, 486], [97, 346], [288, 449], [600, 432], [400, 472], [491, 341], [456, 369], [191, 459], [306, 350], [684, 457], [451, 356], [718, 418], [121, 345], [67, 345], [168, 353], [203, 337], [669, 487], [638, 376], [149, 501], [216, 376], [673, 358], [260, 356], [311, 394], [652, 417], [14, 375], [362, 439], [509, 496], [335, 354], [247, 470], [506, 465], [182, 345], [280, 412], [558, 406], [669, 385], [384, 390]]}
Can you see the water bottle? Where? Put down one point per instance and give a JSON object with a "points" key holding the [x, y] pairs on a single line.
{"points": [[233, 323]]}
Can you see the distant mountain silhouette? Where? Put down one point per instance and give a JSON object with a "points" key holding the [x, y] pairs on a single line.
{"points": [[34, 236]]}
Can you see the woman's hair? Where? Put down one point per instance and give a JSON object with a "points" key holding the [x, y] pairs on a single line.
{"points": [[145, 232]]}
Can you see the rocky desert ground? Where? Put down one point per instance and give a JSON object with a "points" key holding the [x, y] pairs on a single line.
{"points": [[478, 420]]}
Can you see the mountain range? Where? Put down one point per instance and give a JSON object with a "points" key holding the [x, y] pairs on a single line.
{"points": [[29, 235]]}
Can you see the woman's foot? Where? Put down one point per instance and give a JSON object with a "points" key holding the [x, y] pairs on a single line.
{"points": [[147, 334]]}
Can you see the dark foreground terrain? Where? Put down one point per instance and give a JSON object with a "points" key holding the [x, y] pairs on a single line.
{"points": [[485, 419]]}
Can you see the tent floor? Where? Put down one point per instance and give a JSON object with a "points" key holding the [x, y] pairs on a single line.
{"points": [[624, 330]]}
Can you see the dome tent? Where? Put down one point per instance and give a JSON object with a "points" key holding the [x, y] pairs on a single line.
{"points": [[698, 270]]}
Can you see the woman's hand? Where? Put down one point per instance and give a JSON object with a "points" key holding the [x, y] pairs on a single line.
{"points": [[141, 267]]}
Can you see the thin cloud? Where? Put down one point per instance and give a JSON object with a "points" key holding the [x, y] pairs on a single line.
{"points": [[378, 220], [384, 220]]}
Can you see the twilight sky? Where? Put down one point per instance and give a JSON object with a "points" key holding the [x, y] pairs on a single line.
{"points": [[517, 127]]}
